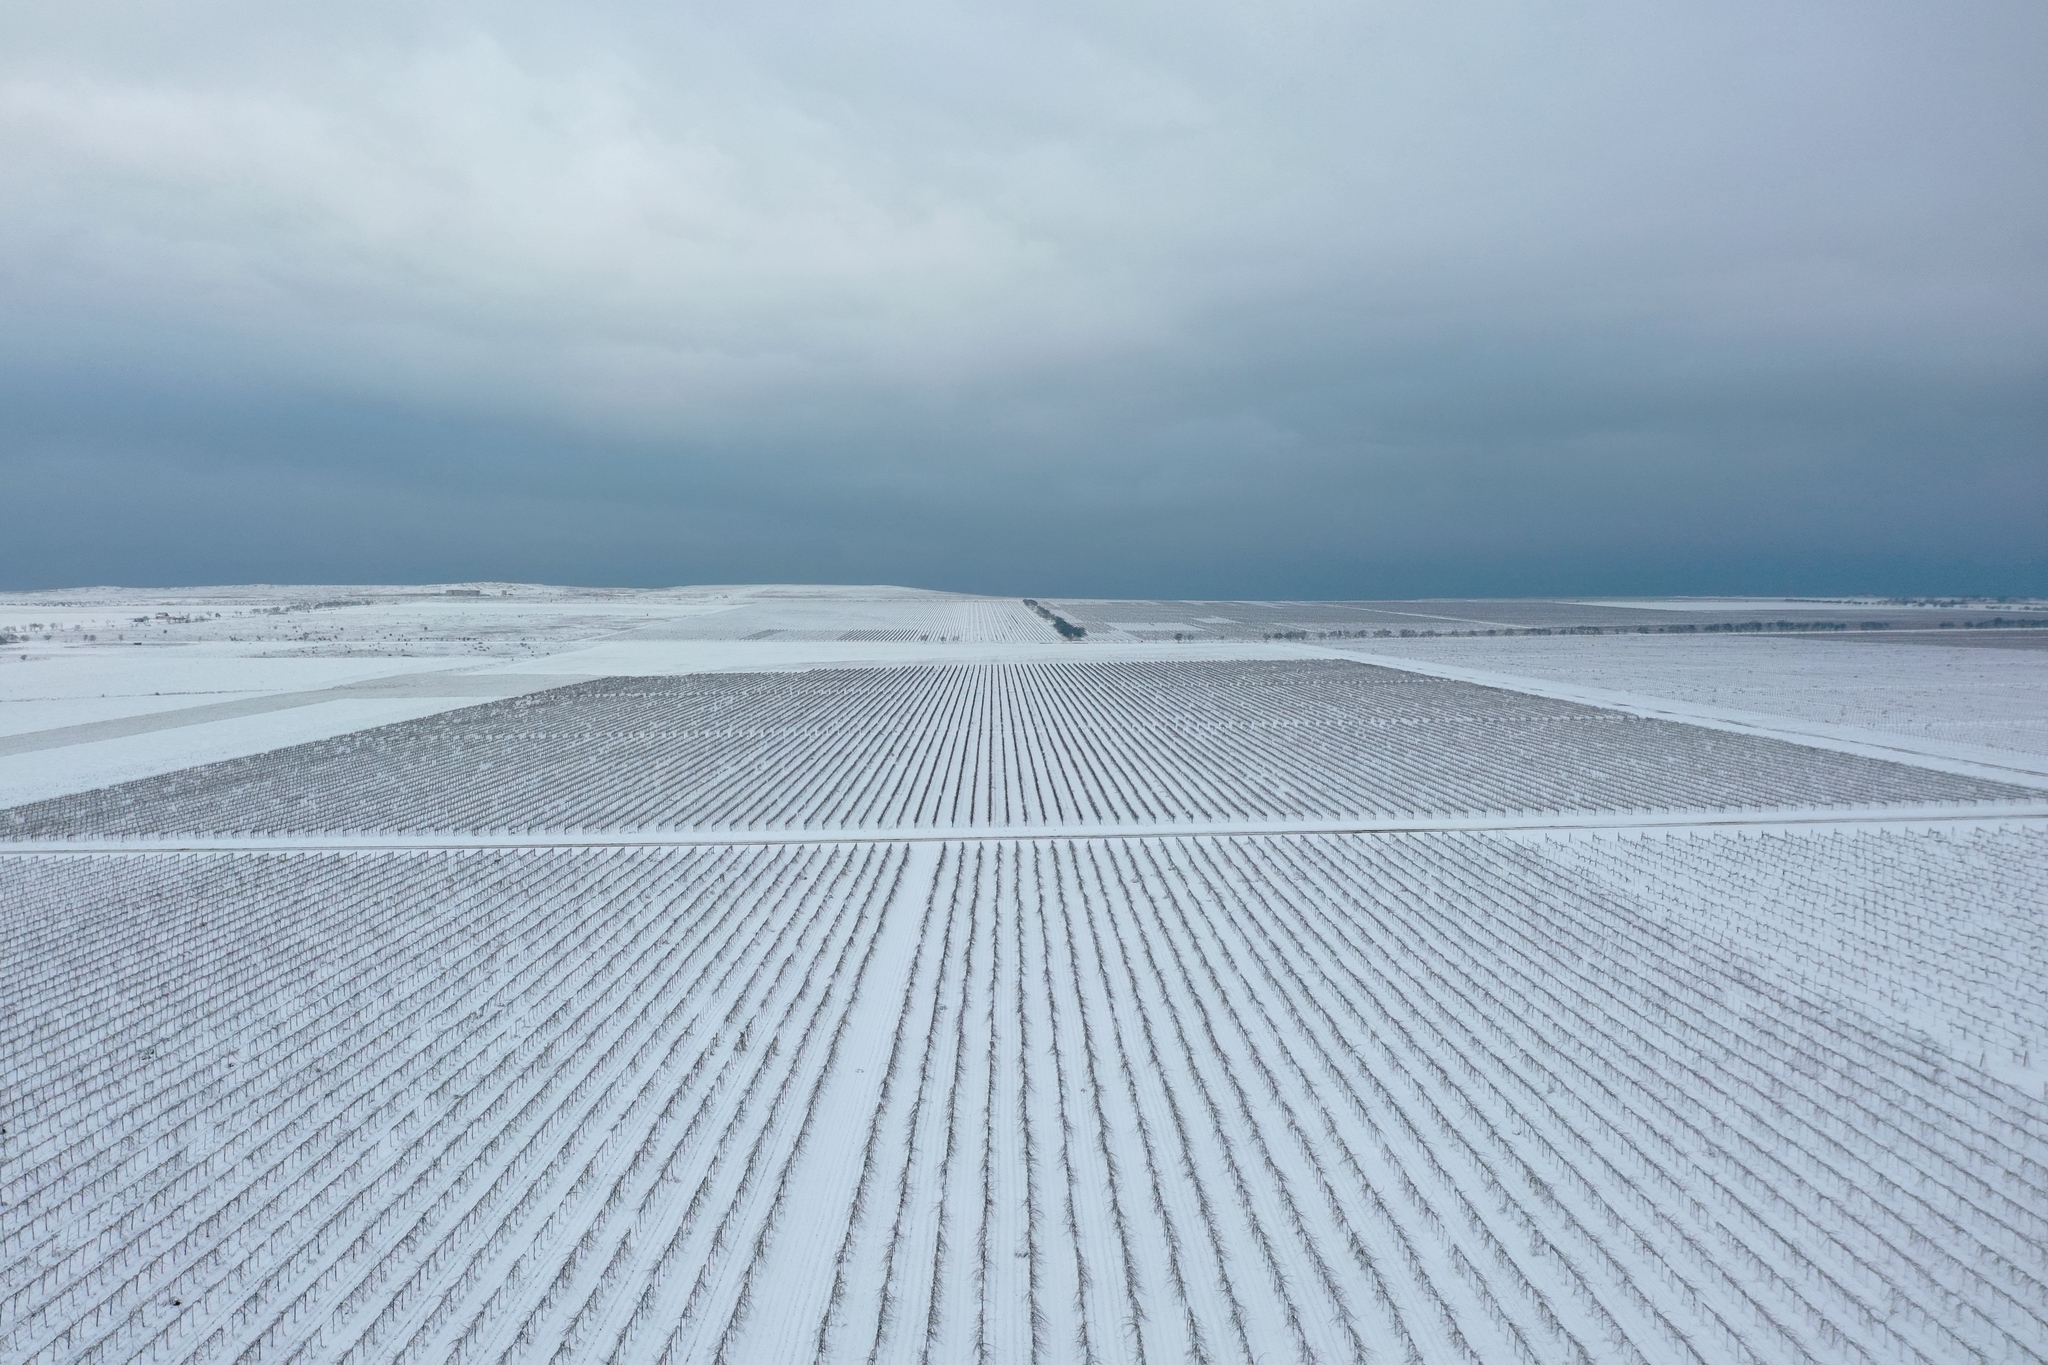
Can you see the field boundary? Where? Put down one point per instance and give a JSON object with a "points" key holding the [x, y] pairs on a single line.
{"points": [[1907, 818]]}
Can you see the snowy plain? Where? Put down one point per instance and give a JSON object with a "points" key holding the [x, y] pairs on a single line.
{"points": [[487, 972]]}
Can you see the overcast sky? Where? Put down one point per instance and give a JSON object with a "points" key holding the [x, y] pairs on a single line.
{"points": [[1279, 299]]}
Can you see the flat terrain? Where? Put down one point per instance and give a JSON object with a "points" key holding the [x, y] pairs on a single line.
{"points": [[810, 974]]}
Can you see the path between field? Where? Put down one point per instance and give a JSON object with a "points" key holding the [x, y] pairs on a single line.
{"points": [[481, 686], [1984, 816]]}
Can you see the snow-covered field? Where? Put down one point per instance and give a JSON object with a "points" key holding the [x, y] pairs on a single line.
{"points": [[1979, 697], [992, 746], [881, 978]]}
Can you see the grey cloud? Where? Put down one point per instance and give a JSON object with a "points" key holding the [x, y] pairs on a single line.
{"points": [[1307, 299]]}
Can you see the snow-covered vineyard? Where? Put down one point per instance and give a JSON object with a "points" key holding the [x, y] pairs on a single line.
{"points": [[1028, 1008], [992, 746]]}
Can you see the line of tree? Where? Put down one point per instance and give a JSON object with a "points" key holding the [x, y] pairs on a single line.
{"points": [[1067, 629]]}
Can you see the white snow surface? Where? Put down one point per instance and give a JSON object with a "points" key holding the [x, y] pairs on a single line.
{"points": [[1974, 698], [782, 973], [42, 774]]}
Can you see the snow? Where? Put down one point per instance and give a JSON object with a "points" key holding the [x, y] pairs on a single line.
{"points": [[554, 974], [1087, 742], [28, 717], [193, 672], [54, 772], [1287, 1094], [645, 658], [1969, 699]]}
